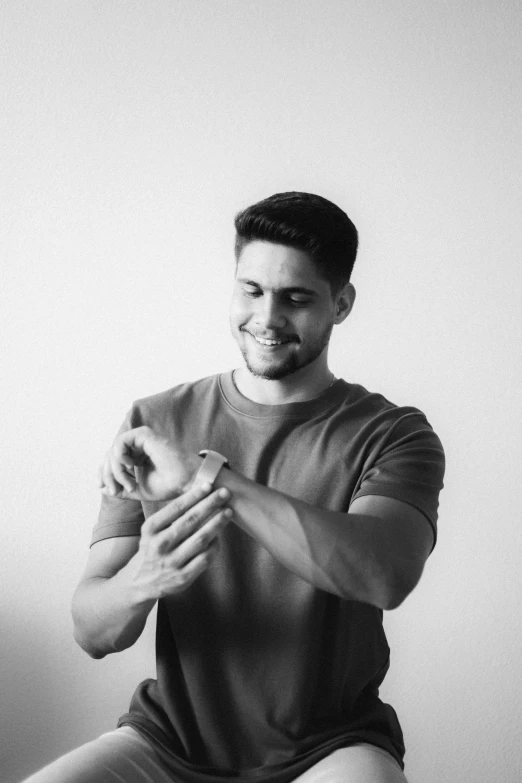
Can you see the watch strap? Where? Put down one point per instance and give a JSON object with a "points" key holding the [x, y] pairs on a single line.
{"points": [[212, 464]]}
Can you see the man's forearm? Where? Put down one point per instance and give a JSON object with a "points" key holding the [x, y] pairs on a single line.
{"points": [[109, 614], [374, 553], [351, 555]]}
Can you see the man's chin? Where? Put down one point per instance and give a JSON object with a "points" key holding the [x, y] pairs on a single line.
{"points": [[271, 371]]}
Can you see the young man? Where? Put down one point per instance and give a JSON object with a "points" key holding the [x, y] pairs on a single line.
{"points": [[273, 556]]}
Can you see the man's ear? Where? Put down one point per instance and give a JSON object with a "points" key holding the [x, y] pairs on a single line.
{"points": [[344, 303]]}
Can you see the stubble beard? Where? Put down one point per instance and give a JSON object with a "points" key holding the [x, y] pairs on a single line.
{"points": [[292, 363]]}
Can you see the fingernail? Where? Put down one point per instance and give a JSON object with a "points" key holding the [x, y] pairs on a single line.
{"points": [[206, 488], [224, 493], [228, 512]]}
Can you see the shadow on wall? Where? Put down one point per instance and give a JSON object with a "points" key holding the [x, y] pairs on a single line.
{"points": [[34, 709], [54, 697]]}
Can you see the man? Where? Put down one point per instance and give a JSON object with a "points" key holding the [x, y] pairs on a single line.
{"points": [[272, 556]]}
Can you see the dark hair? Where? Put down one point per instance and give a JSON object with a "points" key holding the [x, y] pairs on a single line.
{"points": [[307, 222]]}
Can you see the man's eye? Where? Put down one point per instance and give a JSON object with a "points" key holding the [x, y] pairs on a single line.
{"points": [[252, 292], [299, 302]]}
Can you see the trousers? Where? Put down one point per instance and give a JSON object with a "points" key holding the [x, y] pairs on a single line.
{"points": [[124, 756]]}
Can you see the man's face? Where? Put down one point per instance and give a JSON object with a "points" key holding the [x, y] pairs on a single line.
{"points": [[282, 311]]}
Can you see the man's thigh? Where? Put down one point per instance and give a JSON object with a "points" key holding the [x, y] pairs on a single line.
{"points": [[124, 755], [120, 755], [361, 763]]}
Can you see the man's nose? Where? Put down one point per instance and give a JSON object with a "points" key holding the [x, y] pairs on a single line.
{"points": [[271, 315]]}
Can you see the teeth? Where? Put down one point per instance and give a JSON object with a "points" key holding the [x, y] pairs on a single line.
{"points": [[268, 342]]}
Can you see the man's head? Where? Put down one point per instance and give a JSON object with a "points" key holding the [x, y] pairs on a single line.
{"points": [[306, 222], [294, 257]]}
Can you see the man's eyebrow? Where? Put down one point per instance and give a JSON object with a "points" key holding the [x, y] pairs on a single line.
{"points": [[294, 289]]}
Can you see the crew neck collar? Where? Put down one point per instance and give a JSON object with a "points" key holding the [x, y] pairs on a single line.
{"points": [[305, 409]]}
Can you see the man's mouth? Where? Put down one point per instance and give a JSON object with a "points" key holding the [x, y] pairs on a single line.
{"points": [[271, 342]]}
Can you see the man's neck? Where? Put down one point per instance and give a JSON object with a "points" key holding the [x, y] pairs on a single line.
{"points": [[298, 387]]}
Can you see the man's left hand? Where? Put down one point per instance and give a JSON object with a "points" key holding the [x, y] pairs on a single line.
{"points": [[142, 465]]}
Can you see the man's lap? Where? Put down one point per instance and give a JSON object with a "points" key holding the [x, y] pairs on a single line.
{"points": [[361, 763], [120, 756], [124, 756]]}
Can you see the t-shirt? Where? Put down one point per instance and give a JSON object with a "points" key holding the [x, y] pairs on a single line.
{"points": [[259, 673]]}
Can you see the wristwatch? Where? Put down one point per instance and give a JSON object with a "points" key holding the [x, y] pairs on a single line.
{"points": [[212, 464]]}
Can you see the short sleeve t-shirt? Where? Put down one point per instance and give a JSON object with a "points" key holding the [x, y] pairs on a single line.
{"points": [[259, 673]]}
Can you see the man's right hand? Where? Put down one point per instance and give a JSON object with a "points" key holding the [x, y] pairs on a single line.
{"points": [[124, 577], [178, 543]]}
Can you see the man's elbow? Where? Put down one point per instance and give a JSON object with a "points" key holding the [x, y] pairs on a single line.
{"points": [[398, 588], [87, 647], [385, 593], [393, 600], [96, 654], [81, 634]]}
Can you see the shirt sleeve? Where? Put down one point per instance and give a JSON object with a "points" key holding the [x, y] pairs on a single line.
{"points": [[407, 464], [119, 517]]}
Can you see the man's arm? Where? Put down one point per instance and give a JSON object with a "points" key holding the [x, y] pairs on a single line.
{"points": [[375, 553], [107, 613], [125, 576]]}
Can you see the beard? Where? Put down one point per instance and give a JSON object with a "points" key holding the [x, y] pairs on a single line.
{"points": [[275, 370]]}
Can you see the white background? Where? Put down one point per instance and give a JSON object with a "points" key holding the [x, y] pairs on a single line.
{"points": [[131, 133]]}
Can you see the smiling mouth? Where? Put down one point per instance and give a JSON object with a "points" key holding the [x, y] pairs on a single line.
{"points": [[270, 343]]}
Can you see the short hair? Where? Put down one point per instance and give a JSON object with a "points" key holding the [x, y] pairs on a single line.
{"points": [[307, 222]]}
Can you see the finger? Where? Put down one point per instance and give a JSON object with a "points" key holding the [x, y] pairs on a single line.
{"points": [[120, 473], [109, 483], [122, 494], [122, 464], [123, 453], [199, 542], [134, 441], [199, 564], [182, 527], [114, 480], [173, 510]]}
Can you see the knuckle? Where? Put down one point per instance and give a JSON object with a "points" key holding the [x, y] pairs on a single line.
{"points": [[204, 539], [183, 529], [153, 548], [161, 546], [191, 519]]}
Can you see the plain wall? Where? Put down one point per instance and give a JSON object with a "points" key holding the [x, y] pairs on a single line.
{"points": [[131, 133]]}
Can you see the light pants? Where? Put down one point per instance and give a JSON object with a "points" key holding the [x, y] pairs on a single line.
{"points": [[124, 756]]}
